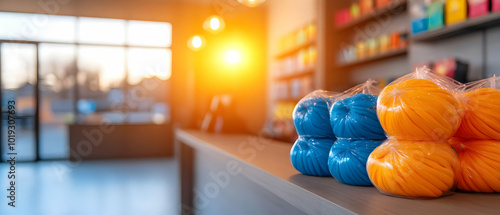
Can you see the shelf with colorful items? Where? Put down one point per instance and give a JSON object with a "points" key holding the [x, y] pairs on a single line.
{"points": [[441, 19], [301, 64], [365, 10], [298, 41], [373, 49]]}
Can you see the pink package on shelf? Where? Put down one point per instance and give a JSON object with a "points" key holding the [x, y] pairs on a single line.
{"points": [[342, 17], [495, 5], [478, 8]]}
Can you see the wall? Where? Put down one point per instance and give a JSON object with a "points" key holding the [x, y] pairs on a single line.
{"points": [[245, 32]]}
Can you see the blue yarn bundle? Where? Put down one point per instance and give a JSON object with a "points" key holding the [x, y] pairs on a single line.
{"points": [[311, 117], [347, 160], [356, 117], [355, 123], [309, 155]]}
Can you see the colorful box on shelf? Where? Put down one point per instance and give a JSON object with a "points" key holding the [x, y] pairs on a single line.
{"points": [[361, 50], [295, 88], [435, 14], [312, 54], [380, 4], [384, 43], [456, 11], [311, 31], [347, 54], [419, 25], [452, 68], [372, 46], [342, 17], [395, 43], [403, 39], [355, 11], [301, 36], [495, 5], [366, 6], [419, 17], [478, 8], [303, 59]]}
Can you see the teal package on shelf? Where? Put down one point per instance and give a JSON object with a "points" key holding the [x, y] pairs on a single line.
{"points": [[435, 14]]}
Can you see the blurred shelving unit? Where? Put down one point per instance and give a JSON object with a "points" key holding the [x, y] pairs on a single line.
{"points": [[396, 5], [339, 73]]}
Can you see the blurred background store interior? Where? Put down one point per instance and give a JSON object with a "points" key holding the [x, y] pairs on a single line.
{"points": [[100, 86]]}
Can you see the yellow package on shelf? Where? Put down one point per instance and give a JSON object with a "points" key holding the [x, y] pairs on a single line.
{"points": [[455, 11]]}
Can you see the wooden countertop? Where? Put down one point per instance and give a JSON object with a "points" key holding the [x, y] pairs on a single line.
{"points": [[267, 162]]}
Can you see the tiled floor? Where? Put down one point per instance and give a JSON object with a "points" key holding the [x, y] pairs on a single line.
{"points": [[97, 187]]}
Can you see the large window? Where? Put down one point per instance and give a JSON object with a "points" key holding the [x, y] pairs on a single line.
{"points": [[57, 97], [91, 70]]}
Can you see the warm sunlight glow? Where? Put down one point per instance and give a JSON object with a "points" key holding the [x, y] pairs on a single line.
{"points": [[251, 3], [233, 57], [214, 24], [196, 42]]}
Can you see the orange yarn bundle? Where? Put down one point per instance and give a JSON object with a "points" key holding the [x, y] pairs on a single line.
{"points": [[481, 119], [418, 109], [419, 169], [477, 140], [479, 165], [419, 112]]}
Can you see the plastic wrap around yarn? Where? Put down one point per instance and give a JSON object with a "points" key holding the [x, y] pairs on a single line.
{"points": [[418, 109], [479, 165], [347, 160], [310, 155], [481, 119], [311, 117], [356, 117], [418, 169]]}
